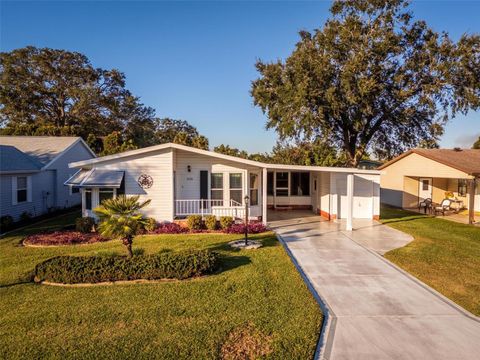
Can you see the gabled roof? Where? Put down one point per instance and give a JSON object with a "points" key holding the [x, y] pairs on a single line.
{"points": [[42, 150], [466, 160], [13, 160], [151, 149]]}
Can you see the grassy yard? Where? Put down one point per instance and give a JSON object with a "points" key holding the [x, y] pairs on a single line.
{"points": [[444, 255], [257, 290]]}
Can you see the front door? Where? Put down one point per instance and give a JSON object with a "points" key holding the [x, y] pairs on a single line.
{"points": [[425, 189]]}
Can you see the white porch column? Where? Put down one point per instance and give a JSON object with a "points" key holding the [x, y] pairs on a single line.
{"points": [[264, 196], [350, 185]]}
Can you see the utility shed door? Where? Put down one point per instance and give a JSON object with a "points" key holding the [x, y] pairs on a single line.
{"points": [[362, 199]]}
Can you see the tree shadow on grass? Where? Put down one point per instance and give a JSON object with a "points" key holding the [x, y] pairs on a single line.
{"points": [[267, 240], [228, 262]]}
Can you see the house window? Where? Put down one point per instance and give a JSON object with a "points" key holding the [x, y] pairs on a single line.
{"points": [[236, 187], [425, 185], [462, 187], [300, 184], [88, 199], [216, 193], [282, 184], [253, 189], [75, 190], [22, 189], [270, 183], [104, 194]]}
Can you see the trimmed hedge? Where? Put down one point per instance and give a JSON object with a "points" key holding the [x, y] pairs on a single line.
{"points": [[211, 222], [253, 228], [226, 222], [94, 269], [195, 222]]}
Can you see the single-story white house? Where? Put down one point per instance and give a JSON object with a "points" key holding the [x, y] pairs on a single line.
{"points": [[181, 181]]}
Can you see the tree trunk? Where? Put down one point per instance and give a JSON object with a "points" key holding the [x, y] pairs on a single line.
{"points": [[128, 244]]}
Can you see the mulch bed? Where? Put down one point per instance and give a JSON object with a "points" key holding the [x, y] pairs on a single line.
{"points": [[63, 238]]}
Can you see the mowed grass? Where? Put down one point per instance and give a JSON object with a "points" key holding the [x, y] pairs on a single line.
{"points": [[169, 320], [444, 254]]}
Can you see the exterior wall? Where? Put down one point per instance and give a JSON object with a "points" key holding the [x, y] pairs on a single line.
{"points": [[188, 183], [397, 193], [366, 196], [160, 167], [42, 198], [325, 196], [63, 195]]}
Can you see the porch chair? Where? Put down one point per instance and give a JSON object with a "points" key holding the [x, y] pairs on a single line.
{"points": [[425, 204], [444, 206]]}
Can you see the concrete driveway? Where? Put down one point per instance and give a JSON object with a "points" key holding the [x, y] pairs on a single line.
{"points": [[375, 310]]}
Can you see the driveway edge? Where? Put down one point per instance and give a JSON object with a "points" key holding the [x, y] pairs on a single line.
{"points": [[431, 290], [325, 340]]}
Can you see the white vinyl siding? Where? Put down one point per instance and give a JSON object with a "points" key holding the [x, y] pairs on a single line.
{"points": [[160, 167]]}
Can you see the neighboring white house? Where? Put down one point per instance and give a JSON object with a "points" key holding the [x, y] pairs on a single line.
{"points": [[33, 170], [181, 181]]}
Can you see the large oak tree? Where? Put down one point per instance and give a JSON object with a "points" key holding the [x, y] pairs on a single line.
{"points": [[372, 80]]}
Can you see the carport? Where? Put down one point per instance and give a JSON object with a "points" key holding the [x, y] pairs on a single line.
{"points": [[333, 193]]}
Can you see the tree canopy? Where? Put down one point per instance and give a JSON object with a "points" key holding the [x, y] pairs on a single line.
{"points": [[371, 80], [54, 92]]}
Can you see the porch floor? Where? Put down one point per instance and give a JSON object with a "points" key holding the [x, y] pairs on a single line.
{"points": [[461, 217], [293, 215]]}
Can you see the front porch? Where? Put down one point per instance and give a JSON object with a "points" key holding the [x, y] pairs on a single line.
{"points": [[463, 195]]}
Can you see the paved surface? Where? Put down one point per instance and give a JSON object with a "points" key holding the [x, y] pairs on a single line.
{"points": [[376, 311]]}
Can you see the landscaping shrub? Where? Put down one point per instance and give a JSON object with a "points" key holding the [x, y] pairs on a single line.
{"points": [[6, 223], [84, 224], [170, 228], [25, 216], [151, 225], [194, 222], [253, 228], [211, 222], [226, 222], [63, 238], [94, 269]]}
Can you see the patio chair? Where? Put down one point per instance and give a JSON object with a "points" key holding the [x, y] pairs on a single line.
{"points": [[443, 207], [425, 204]]}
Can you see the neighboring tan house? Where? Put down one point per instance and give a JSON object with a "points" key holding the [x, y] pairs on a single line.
{"points": [[419, 174], [181, 181], [33, 170]]}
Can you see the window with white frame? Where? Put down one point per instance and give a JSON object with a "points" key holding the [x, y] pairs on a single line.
{"points": [[88, 199], [216, 189], [299, 184], [22, 189], [236, 187], [105, 193], [281, 183], [253, 189]]}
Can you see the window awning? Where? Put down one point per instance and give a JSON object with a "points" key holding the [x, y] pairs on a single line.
{"points": [[96, 178]]}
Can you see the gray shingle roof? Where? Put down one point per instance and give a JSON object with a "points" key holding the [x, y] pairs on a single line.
{"points": [[12, 159], [41, 149]]}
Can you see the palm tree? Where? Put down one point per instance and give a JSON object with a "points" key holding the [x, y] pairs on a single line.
{"points": [[120, 219]]}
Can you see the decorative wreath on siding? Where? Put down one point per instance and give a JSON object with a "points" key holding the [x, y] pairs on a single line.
{"points": [[145, 181]]}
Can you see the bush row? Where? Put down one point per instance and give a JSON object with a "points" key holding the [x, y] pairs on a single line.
{"points": [[94, 269]]}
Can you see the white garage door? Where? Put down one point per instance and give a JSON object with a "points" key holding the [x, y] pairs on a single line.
{"points": [[362, 199]]}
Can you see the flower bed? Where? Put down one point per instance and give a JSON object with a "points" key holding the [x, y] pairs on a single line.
{"points": [[95, 269], [63, 238], [174, 228]]}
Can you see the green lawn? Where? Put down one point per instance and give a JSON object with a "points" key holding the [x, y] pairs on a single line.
{"points": [[444, 255], [180, 319]]}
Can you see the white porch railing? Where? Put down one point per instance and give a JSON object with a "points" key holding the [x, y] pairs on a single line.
{"points": [[209, 207]]}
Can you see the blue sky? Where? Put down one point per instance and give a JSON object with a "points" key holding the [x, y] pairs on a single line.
{"points": [[195, 60]]}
